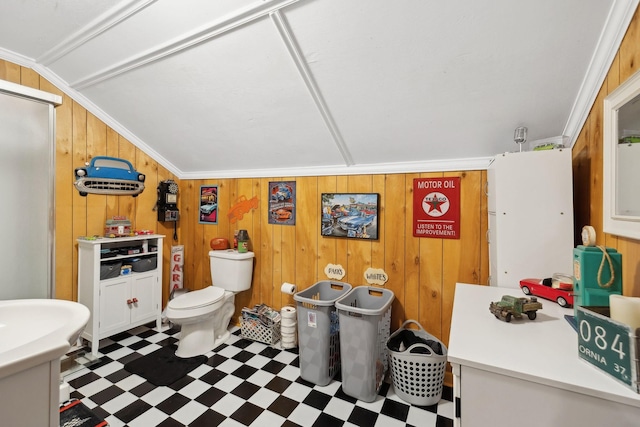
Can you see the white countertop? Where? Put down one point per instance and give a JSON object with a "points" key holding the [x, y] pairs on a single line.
{"points": [[544, 350]]}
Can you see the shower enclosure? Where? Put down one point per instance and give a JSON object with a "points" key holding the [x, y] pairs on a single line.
{"points": [[27, 179]]}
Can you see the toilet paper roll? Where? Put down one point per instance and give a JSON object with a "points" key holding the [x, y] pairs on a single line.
{"points": [[288, 288], [625, 310], [288, 312]]}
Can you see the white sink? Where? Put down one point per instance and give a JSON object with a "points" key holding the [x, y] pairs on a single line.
{"points": [[34, 334], [33, 331]]}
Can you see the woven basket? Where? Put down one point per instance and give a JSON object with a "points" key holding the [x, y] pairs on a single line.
{"points": [[418, 378]]}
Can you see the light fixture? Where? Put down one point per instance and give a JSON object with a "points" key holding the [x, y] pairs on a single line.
{"points": [[520, 136]]}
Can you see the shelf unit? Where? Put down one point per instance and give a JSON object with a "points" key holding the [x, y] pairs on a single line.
{"points": [[125, 301]]}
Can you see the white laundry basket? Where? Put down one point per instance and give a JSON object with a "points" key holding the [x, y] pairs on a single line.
{"points": [[418, 371]]}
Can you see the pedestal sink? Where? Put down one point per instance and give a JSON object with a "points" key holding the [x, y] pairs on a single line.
{"points": [[34, 334]]}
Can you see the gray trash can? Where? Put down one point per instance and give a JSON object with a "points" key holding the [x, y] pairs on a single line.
{"points": [[319, 330], [365, 322]]}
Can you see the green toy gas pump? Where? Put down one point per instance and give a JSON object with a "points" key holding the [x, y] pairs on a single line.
{"points": [[597, 272]]}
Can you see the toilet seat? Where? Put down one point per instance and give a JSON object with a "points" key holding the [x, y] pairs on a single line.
{"points": [[196, 299]]}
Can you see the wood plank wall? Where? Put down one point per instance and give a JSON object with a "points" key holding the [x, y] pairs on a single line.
{"points": [[588, 157], [422, 272], [79, 137]]}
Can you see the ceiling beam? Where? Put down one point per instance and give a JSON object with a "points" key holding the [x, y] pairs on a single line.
{"points": [[185, 41], [301, 64]]}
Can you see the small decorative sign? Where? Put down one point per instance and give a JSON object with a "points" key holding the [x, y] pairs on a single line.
{"points": [[282, 203], [436, 207], [608, 345], [375, 276], [208, 204], [334, 271], [177, 262]]}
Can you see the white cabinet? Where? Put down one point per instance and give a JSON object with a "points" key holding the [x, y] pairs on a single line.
{"points": [[527, 370], [124, 301], [530, 204]]}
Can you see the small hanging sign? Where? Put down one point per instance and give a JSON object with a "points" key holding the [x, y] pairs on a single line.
{"points": [[334, 271], [436, 207], [375, 276]]}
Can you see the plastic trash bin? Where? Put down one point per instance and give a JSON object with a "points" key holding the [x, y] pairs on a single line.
{"points": [[319, 330], [365, 320]]}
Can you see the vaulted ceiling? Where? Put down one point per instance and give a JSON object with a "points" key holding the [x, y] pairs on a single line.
{"points": [[308, 87]]}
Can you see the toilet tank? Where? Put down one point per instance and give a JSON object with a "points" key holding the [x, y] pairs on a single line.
{"points": [[231, 270]]}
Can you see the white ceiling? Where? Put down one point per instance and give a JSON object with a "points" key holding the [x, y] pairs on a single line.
{"points": [[311, 87]]}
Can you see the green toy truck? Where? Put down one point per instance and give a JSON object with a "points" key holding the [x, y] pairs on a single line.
{"points": [[510, 306]]}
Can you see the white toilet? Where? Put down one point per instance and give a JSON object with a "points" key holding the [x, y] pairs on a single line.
{"points": [[205, 314]]}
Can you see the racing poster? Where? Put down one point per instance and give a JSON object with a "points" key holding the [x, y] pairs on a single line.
{"points": [[282, 203], [436, 207]]}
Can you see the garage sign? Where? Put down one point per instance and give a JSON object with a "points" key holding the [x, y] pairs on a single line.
{"points": [[436, 207]]}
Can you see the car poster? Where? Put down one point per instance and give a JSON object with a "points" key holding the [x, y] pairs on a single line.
{"points": [[350, 215], [436, 207], [208, 204], [282, 202]]}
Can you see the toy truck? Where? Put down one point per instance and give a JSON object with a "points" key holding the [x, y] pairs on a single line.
{"points": [[510, 306]]}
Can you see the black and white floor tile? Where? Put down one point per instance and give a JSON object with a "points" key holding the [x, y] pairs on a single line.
{"points": [[243, 383]]}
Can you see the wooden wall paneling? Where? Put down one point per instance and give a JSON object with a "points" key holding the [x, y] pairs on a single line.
{"points": [[244, 188], [256, 241], [190, 234], [342, 245], [263, 250], [327, 248], [377, 246], [462, 257], [79, 138], [411, 255], [146, 217], [65, 241], [166, 229], [359, 251], [289, 252], [112, 150], [127, 204], [392, 234], [629, 52], [611, 82], [484, 226], [595, 137], [431, 275], [10, 71], [306, 231], [285, 242], [29, 78], [96, 203]]}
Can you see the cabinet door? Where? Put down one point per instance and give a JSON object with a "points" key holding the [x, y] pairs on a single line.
{"points": [[114, 310], [145, 291]]}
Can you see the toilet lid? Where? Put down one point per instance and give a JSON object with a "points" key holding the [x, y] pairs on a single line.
{"points": [[196, 299]]}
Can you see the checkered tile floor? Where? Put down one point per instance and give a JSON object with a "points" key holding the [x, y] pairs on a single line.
{"points": [[243, 383]]}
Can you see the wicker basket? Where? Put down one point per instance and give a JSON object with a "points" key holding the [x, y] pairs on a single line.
{"points": [[254, 329], [418, 377]]}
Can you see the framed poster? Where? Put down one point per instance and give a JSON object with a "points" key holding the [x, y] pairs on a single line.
{"points": [[208, 204], [351, 215], [282, 202], [436, 207]]}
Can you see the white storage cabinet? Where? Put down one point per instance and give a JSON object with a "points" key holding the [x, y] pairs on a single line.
{"points": [[123, 302], [530, 204]]}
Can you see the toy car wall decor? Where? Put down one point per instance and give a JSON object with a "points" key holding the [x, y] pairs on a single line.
{"points": [[109, 175], [558, 288]]}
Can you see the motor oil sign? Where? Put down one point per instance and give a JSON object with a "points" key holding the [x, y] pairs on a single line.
{"points": [[436, 207]]}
